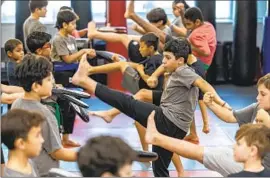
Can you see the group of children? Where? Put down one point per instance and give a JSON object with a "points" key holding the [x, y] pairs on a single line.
{"points": [[165, 74]]}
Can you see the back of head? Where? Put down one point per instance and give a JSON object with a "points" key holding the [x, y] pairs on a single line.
{"points": [[265, 80], [179, 47], [37, 40], [11, 44], [65, 16], [156, 15], [150, 39], [104, 154], [65, 8], [193, 14], [17, 123], [32, 69], [181, 1], [34, 4], [257, 135]]}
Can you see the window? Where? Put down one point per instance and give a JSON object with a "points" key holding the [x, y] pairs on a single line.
{"points": [[261, 9], [8, 10], [53, 8], [223, 10], [98, 10]]}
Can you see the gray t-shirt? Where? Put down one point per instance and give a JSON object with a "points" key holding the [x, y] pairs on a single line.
{"points": [[167, 30], [50, 132], [248, 115], [177, 22], [12, 173], [30, 25], [62, 46], [179, 98]]}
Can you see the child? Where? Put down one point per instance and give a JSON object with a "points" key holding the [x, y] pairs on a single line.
{"points": [[21, 133], [35, 76], [177, 27], [76, 33], [252, 144], [106, 156], [15, 53], [39, 43], [219, 159], [64, 48], [178, 101], [203, 36], [38, 10], [158, 18]]}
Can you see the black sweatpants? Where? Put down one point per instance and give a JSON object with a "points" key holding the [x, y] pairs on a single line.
{"points": [[140, 111]]}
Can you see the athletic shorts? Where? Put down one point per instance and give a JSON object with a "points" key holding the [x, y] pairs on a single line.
{"points": [[156, 95]]}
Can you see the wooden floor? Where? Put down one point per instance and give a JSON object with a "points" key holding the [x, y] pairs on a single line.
{"points": [[221, 134]]}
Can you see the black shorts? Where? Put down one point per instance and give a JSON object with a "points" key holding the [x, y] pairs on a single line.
{"points": [[134, 52], [156, 95]]}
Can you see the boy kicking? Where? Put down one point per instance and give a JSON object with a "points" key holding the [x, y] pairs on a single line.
{"points": [[178, 100]]}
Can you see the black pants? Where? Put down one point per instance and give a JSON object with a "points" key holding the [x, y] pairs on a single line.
{"points": [[2, 157], [140, 111]]}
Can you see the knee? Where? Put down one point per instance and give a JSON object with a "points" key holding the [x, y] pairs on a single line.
{"points": [[141, 95]]}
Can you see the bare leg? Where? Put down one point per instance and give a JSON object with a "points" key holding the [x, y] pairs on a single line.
{"points": [[2, 169], [130, 14], [192, 136], [108, 116], [112, 67], [110, 37], [180, 147], [178, 165], [203, 108]]}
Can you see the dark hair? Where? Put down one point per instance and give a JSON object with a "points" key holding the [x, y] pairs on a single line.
{"points": [[65, 8], [150, 39], [179, 47], [156, 15], [181, 1], [37, 40], [33, 68], [17, 123], [104, 154], [65, 16], [33, 4], [193, 14], [11, 44]]}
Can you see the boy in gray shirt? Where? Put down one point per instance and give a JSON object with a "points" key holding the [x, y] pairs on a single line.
{"points": [[174, 114], [35, 77], [64, 47], [220, 159], [21, 133], [38, 9]]}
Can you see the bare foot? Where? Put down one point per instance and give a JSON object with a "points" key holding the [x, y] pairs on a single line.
{"points": [[91, 30], [192, 138], [70, 144], [82, 71], [105, 115], [130, 10], [151, 130]]}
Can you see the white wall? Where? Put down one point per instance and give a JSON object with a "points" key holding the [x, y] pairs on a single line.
{"points": [[224, 32]]}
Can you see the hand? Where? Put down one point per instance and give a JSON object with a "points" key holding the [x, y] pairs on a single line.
{"points": [[263, 117], [115, 58], [208, 98], [152, 82], [91, 53]]}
